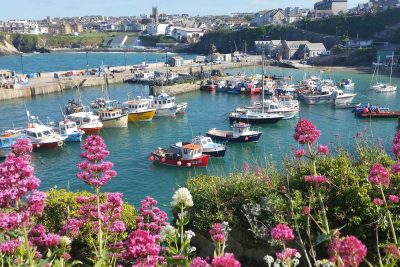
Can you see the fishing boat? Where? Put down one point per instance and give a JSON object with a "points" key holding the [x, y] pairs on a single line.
{"points": [[346, 84], [240, 133], [188, 155], [139, 110], [371, 111], [208, 86], [274, 106], [74, 106], [209, 147], [87, 122], [7, 139], [42, 136], [69, 130], [314, 97], [341, 98], [165, 105]]}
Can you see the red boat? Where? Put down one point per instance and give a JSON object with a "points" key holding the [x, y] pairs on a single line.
{"points": [[189, 155], [252, 89], [375, 112], [208, 87]]}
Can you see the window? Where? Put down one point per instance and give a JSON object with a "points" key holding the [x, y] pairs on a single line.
{"points": [[164, 102], [39, 134], [204, 142], [86, 120], [46, 133]]}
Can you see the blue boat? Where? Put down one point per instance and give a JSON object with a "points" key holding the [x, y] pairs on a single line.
{"points": [[7, 139], [69, 130]]}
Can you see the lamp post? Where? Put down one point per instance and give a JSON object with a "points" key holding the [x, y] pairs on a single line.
{"points": [[87, 61], [22, 65]]}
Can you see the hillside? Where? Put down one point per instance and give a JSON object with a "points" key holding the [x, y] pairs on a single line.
{"points": [[6, 48], [381, 26]]}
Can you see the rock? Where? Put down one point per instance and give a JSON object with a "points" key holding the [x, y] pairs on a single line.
{"points": [[7, 49]]}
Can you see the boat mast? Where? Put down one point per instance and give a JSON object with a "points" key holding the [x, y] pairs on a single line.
{"points": [[391, 70], [262, 81]]}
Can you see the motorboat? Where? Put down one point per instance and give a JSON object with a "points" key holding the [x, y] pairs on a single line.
{"points": [[139, 110], [42, 136], [346, 84], [254, 116], [240, 133], [385, 88], [7, 139], [274, 106], [209, 147], [187, 155], [371, 111], [113, 117], [342, 98], [165, 105], [68, 129], [87, 122], [314, 97]]}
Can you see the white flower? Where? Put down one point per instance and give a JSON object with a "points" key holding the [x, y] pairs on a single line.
{"points": [[297, 255], [167, 231], [183, 197], [65, 240], [277, 264], [191, 249], [295, 262], [189, 234], [269, 260], [325, 263]]}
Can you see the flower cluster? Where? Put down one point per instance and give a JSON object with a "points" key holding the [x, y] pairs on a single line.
{"points": [[22, 147], [217, 233], [228, 259], [282, 232], [323, 149], [378, 175], [378, 202], [348, 250], [95, 171], [394, 199], [142, 247], [306, 132], [71, 228], [396, 145], [182, 197], [199, 262], [392, 250], [299, 153], [286, 254], [39, 237], [151, 218], [10, 246], [320, 179]]}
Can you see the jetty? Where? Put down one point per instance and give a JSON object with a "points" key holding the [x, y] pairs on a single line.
{"points": [[57, 82]]}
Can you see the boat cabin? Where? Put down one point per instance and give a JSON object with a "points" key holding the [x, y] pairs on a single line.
{"points": [[202, 141], [67, 127], [191, 151], [139, 105], [163, 101], [240, 129], [82, 118], [110, 113]]}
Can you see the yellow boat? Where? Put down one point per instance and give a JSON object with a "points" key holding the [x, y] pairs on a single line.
{"points": [[139, 110]]}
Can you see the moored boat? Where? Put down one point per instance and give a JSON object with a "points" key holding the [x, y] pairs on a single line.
{"points": [[209, 147], [165, 106], [370, 111], [42, 136], [254, 116], [342, 98], [139, 110], [87, 122], [188, 155], [69, 130], [240, 133], [7, 139]]}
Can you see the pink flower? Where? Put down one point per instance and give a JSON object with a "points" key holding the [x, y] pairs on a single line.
{"points": [[66, 256], [358, 134], [256, 170], [39, 237], [378, 175], [394, 199], [71, 228], [299, 153], [36, 202], [117, 227], [315, 179], [10, 246], [392, 250], [396, 145], [306, 132], [282, 232], [151, 218], [286, 254], [350, 250], [267, 180], [378, 202], [199, 262], [396, 168], [306, 211], [246, 166], [217, 233], [95, 171], [143, 247], [323, 149], [227, 260], [21, 147]]}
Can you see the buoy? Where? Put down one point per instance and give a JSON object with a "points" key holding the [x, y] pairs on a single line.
{"points": [[151, 158], [188, 164], [179, 163], [163, 160], [246, 138]]}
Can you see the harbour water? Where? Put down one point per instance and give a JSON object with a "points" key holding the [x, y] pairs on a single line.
{"points": [[130, 147]]}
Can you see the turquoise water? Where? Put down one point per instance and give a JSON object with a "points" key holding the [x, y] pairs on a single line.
{"points": [[130, 148], [76, 61]]}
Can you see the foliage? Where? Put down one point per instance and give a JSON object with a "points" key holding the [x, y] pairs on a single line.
{"points": [[153, 40], [25, 42]]}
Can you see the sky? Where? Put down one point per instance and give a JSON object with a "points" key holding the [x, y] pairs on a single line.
{"points": [[39, 9]]}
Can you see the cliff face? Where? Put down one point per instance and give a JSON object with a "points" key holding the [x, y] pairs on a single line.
{"points": [[6, 48]]}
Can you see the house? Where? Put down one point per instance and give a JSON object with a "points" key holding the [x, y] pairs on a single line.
{"points": [[275, 17], [215, 57], [132, 42], [189, 35], [293, 49], [358, 43], [227, 57], [313, 50], [116, 41], [175, 61], [271, 48], [156, 29], [327, 8]]}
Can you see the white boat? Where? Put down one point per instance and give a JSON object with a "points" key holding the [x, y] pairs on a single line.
{"points": [[385, 88], [165, 106], [273, 106], [342, 98], [144, 76], [209, 147], [42, 136], [347, 84], [87, 122], [69, 130], [322, 96]]}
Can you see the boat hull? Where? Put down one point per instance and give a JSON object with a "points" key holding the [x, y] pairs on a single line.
{"points": [[253, 120], [389, 115], [215, 153], [166, 112], [253, 138], [120, 122], [344, 100], [47, 145], [141, 116], [77, 137], [90, 130], [185, 163]]}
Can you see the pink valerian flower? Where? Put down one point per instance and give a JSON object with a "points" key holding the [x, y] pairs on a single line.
{"points": [[266, 179], [306, 211], [282, 232], [378, 202], [36, 202], [71, 228], [396, 168], [396, 145], [16, 180], [13, 220], [217, 233], [378, 175], [299, 153], [394, 199], [151, 218], [39, 237], [256, 169], [350, 250], [117, 227], [66, 256], [323, 149], [95, 171], [321, 179], [22, 147], [226, 260], [392, 250], [142, 247], [286, 254], [10, 246], [358, 134], [306, 132], [283, 189], [199, 262], [246, 166]]}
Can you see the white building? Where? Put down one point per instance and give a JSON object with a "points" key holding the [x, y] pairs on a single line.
{"points": [[154, 29], [189, 35]]}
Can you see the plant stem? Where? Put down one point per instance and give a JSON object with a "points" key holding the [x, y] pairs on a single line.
{"points": [[100, 232], [321, 202], [389, 216], [28, 248], [181, 225]]}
